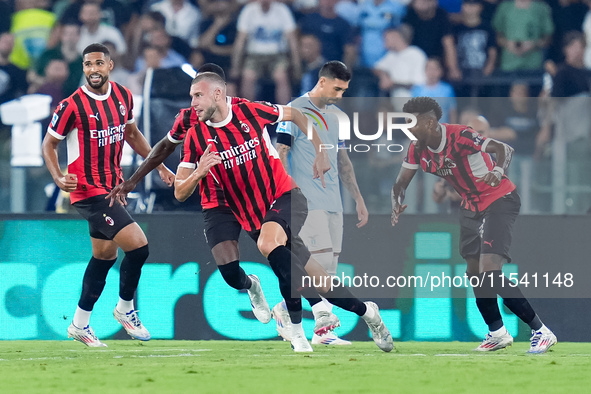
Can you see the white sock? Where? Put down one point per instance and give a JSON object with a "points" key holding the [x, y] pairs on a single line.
{"points": [[81, 317], [124, 306], [328, 304], [499, 332], [296, 328], [370, 313], [319, 307]]}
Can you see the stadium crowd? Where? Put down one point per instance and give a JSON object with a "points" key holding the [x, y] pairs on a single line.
{"points": [[272, 50]]}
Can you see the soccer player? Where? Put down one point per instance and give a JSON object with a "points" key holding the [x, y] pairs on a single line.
{"points": [[96, 120], [222, 229], [489, 208], [322, 232], [231, 146]]}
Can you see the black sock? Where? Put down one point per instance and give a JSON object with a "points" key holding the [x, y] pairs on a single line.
{"points": [[514, 300], [342, 297], [130, 271], [235, 276], [281, 260], [486, 301], [94, 281]]}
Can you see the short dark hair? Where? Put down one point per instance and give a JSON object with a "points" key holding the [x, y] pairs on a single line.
{"points": [[422, 105], [571, 36], [96, 47], [212, 68], [208, 75], [335, 70]]}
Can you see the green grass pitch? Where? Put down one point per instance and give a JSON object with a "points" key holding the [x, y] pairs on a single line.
{"points": [[271, 367]]}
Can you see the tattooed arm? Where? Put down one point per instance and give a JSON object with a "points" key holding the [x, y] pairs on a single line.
{"points": [[283, 151], [347, 175]]}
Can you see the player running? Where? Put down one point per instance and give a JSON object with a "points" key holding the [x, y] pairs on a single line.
{"points": [[96, 120], [222, 229], [322, 232], [489, 208], [232, 147]]}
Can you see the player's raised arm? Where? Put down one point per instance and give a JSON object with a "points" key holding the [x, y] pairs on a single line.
{"points": [[322, 162], [398, 191], [188, 177], [503, 154]]}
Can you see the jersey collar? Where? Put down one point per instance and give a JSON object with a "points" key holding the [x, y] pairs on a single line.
{"points": [[443, 140], [228, 118], [98, 96]]}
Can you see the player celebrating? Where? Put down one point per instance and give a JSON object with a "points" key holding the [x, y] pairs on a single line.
{"points": [[322, 232], [230, 143], [96, 120], [489, 208], [222, 229]]}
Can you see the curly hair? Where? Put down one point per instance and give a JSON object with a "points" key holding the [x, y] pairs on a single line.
{"points": [[422, 105]]}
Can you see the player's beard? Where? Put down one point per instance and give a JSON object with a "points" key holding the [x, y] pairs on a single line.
{"points": [[207, 114], [98, 84]]}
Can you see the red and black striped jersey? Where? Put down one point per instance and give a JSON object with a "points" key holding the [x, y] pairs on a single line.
{"points": [[94, 128], [461, 159], [211, 194], [251, 174]]}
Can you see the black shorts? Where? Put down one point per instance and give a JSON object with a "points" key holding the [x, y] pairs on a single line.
{"points": [[289, 211], [220, 225], [104, 222], [489, 231]]}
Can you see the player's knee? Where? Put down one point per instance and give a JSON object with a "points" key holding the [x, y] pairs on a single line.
{"points": [[266, 246], [138, 256]]}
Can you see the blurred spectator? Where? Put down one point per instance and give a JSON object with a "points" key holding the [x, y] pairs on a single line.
{"points": [[567, 15], [115, 13], [182, 19], [587, 31], [140, 37], [524, 28], [515, 122], [441, 91], [67, 51], [349, 11], [94, 31], [151, 57], [218, 33], [13, 80], [433, 33], [335, 33], [168, 57], [31, 27], [119, 73], [312, 60], [266, 32], [5, 15], [403, 65], [572, 78], [375, 16], [475, 41], [56, 73]]}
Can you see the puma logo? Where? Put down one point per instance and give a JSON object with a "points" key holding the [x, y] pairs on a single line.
{"points": [[427, 161], [94, 116], [215, 139], [276, 210], [489, 243]]}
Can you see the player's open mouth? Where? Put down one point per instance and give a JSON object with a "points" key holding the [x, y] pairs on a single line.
{"points": [[95, 78]]}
